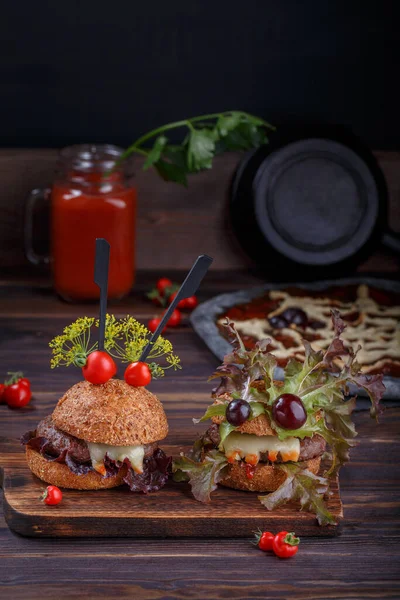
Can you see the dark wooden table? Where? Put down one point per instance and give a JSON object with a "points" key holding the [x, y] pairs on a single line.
{"points": [[361, 563]]}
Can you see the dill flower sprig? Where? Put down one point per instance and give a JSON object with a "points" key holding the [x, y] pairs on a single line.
{"points": [[125, 339], [73, 346]]}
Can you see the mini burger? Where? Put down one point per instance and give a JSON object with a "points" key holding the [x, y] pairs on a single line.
{"points": [[269, 436], [101, 436], [105, 432]]}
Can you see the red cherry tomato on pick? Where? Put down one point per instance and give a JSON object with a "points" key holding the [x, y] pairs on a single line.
{"points": [[2, 389], [52, 495], [137, 374], [264, 540], [162, 284], [285, 544], [99, 367], [174, 319]]}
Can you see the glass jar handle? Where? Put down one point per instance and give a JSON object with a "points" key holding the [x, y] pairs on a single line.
{"points": [[31, 255]]}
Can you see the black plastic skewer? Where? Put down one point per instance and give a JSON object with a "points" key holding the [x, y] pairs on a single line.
{"points": [[187, 289], [101, 265]]}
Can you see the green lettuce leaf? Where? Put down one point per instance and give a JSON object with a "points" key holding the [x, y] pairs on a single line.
{"points": [[244, 367], [339, 432], [215, 410], [225, 429], [203, 476], [303, 486], [257, 409]]}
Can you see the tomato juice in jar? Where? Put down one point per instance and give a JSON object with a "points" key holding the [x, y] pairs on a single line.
{"points": [[91, 199]]}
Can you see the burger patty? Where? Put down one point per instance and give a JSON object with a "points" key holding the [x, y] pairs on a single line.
{"points": [[309, 447], [76, 448]]}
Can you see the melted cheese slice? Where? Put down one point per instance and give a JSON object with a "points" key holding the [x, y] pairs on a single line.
{"points": [[134, 454], [249, 447]]}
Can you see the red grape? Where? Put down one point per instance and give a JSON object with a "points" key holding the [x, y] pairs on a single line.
{"points": [[237, 412], [289, 412]]}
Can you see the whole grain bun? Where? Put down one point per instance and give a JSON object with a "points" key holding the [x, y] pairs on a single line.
{"points": [[59, 474], [267, 478], [113, 413]]}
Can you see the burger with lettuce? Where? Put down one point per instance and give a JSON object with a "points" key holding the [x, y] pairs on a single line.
{"points": [[270, 436]]}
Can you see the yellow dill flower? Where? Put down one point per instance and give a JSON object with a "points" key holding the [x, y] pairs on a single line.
{"points": [[125, 339], [73, 346]]}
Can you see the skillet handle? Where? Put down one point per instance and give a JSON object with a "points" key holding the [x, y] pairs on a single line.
{"points": [[391, 240]]}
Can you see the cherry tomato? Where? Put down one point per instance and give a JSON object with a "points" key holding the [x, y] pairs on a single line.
{"points": [[99, 367], [52, 495], [17, 395], [137, 374], [285, 544], [2, 389], [153, 324], [264, 539], [25, 381], [174, 319], [191, 302], [181, 304], [162, 284]]}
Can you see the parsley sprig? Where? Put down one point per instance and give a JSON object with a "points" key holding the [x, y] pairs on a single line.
{"points": [[206, 136]]}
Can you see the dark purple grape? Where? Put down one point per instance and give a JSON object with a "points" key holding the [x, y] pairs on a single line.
{"points": [[278, 322], [237, 412], [289, 412], [294, 315]]}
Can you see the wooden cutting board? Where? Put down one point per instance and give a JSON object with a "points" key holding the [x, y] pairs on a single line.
{"points": [[171, 512]]}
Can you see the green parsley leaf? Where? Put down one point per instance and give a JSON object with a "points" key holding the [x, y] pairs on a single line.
{"points": [[200, 149], [156, 152], [171, 172], [227, 123]]}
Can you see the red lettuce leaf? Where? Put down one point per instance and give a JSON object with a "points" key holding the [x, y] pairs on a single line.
{"points": [[156, 470], [44, 447]]}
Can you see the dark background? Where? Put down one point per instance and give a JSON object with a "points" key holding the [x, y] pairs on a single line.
{"points": [[108, 71]]}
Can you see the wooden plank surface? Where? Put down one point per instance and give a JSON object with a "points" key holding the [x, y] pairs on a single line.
{"points": [[362, 563], [195, 218], [171, 512]]}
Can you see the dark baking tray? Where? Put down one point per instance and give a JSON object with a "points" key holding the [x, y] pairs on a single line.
{"points": [[204, 317]]}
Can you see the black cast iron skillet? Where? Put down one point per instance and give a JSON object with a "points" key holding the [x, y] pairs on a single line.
{"points": [[313, 203]]}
